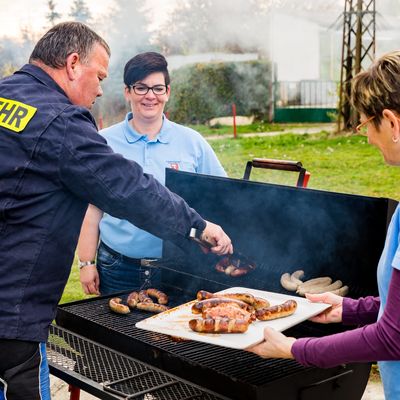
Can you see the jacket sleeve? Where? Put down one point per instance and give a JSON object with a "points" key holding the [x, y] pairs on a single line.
{"points": [[375, 342], [92, 171]]}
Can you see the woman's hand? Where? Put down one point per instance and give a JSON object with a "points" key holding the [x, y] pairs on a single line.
{"points": [[332, 314], [275, 345], [90, 280]]}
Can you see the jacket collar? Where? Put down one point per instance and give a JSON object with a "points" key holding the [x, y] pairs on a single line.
{"points": [[42, 76]]}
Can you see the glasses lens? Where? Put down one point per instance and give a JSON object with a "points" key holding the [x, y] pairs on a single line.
{"points": [[159, 89], [140, 89]]}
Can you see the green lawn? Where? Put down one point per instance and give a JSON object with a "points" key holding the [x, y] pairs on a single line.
{"points": [[345, 164]]}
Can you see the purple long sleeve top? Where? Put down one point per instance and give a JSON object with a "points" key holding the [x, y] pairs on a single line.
{"points": [[376, 340]]}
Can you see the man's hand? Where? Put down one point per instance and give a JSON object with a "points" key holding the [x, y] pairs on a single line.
{"points": [[275, 345], [332, 314], [90, 280], [223, 242]]}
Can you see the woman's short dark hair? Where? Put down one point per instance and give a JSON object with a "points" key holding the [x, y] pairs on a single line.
{"points": [[144, 64], [64, 39]]}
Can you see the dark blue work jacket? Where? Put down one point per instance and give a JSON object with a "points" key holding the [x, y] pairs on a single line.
{"points": [[52, 164]]}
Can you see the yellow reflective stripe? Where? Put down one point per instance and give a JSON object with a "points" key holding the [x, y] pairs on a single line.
{"points": [[15, 115]]}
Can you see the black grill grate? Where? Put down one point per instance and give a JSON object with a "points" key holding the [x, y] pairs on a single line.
{"points": [[117, 373], [235, 364]]}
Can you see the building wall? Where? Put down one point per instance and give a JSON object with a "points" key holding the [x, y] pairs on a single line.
{"points": [[294, 47]]}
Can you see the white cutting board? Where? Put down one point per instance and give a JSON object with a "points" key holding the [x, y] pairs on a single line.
{"points": [[175, 322]]}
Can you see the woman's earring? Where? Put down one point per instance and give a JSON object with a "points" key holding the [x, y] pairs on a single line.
{"points": [[395, 139]]}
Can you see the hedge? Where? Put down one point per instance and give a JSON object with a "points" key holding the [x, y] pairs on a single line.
{"points": [[204, 91]]}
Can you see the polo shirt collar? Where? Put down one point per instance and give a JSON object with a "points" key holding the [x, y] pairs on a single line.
{"points": [[133, 136]]}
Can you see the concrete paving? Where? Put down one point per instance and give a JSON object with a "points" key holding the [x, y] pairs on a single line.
{"points": [[307, 129], [59, 391]]}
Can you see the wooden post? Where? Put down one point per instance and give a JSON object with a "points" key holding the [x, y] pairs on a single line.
{"points": [[234, 120]]}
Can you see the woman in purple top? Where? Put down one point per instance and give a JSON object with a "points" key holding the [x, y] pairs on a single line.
{"points": [[376, 95]]}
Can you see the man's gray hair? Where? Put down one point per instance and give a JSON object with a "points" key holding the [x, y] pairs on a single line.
{"points": [[64, 39]]}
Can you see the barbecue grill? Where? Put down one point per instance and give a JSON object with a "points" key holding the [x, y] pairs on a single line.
{"points": [[283, 229]]}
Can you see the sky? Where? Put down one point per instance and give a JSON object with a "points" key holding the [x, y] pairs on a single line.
{"points": [[16, 14]]}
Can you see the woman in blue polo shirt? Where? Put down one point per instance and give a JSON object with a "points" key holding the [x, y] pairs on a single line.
{"points": [[149, 138]]}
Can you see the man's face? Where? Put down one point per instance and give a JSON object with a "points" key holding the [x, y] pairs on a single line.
{"points": [[148, 106], [87, 85]]}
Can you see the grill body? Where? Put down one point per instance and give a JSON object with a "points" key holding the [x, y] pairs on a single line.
{"points": [[283, 229]]}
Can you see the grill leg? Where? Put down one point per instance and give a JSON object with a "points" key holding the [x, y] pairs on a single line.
{"points": [[75, 392]]}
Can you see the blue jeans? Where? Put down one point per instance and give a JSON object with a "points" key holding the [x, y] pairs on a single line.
{"points": [[117, 274]]}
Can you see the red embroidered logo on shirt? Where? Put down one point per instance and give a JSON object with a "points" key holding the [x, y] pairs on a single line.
{"points": [[174, 165]]}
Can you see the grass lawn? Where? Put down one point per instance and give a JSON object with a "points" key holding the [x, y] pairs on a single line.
{"points": [[345, 164]]}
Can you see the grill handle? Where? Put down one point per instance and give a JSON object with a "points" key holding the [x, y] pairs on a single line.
{"points": [[282, 165], [303, 390]]}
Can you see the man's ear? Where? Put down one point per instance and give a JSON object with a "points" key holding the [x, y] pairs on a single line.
{"points": [[73, 61]]}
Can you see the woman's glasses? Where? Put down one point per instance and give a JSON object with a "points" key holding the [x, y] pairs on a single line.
{"points": [[362, 128], [141, 89]]}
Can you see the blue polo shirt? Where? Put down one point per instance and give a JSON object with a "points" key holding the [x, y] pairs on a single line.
{"points": [[177, 147]]}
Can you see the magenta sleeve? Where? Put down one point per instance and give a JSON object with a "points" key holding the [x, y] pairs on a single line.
{"points": [[375, 342], [360, 312]]}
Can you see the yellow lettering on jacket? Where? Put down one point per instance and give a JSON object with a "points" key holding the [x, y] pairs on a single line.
{"points": [[15, 115]]}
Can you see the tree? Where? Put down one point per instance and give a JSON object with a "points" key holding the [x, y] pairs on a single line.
{"points": [[127, 33], [197, 26], [210, 25], [79, 11], [52, 16]]}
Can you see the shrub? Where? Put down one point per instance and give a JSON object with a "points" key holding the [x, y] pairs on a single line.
{"points": [[204, 91]]}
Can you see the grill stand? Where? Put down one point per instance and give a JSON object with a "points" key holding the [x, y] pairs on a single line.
{"points": [[89, 366], [75, 392]]}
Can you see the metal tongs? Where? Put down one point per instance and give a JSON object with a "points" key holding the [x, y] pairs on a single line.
{"points": [[235, 264]]}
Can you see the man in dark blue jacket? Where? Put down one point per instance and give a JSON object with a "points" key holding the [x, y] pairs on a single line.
{"points": [[53, 163]]}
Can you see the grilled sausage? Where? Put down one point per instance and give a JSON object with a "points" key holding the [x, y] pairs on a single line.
{"points": [[229, 269], [220, 268], [200, 306], [218, 325], [161, 297], [245, 297], [281, 310], [133, 299], [228, 311], [260, 303], [117, 307], [203, 294], [323, 281], [144, 298], [296, 276], [151, 307], [341, 291], [240, 271], [287, 282], [320, 289]]}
